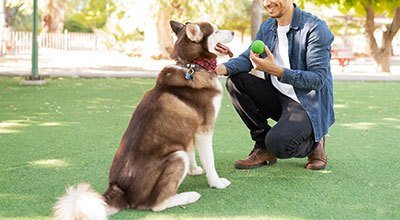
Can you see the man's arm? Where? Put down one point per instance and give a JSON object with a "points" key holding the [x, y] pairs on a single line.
{"points": [[235, 65], [241, 63], [266, 64], [317, 61], [221, 70], [318, 56]]}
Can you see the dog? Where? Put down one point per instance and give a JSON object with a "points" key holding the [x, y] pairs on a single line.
{"points": [[157, 149]]}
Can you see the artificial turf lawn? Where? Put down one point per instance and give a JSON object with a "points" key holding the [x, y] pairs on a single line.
{"points": [[68, 130]]}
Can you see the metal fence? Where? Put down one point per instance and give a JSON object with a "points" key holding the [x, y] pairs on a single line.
{"points": [[20, 43]]}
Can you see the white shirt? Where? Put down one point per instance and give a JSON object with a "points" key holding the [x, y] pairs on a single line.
{"points": [[282, 59]]}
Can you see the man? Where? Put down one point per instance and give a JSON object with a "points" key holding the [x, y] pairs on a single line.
{"points": [[296, 92]]}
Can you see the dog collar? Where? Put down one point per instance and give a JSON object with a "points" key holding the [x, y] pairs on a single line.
{"points": [[190, 72], [207, 64]]}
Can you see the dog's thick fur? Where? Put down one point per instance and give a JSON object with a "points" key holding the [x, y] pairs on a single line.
{"points": [[157, 150]]}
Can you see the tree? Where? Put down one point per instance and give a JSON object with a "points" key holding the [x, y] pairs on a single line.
{"points": [[181, 10], [53, 18], [150, 24], [2, 17], [2, 25], [157, 28], [370, 9], [236, 16], [256, 17], [17, 15], [382, 55]]}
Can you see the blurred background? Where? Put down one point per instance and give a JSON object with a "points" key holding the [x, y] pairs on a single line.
{"points": [[365, 29]]}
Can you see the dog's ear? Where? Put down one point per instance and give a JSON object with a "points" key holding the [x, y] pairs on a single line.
{"points": [[194, 33], [176, 26]]}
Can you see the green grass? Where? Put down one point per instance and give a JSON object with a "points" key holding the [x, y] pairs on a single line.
{"points": [[67, 132]]}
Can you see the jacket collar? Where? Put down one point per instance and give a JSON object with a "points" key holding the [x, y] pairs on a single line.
{"points": [[296, 18]]}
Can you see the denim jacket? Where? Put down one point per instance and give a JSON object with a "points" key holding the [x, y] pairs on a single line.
{"points": [[310, 74]]}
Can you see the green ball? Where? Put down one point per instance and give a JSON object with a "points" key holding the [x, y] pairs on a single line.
{"points": [[258, 47]]}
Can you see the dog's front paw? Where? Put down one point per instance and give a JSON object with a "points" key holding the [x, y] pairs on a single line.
{"points": [[220, 183], [194, 171]]}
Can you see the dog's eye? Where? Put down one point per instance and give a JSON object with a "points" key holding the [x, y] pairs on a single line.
{"points": [[217, 32]]}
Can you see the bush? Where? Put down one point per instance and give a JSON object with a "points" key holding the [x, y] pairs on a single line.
{"points": [[72, 25]]}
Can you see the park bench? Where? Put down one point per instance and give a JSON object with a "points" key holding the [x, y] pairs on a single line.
{"points": [[343, 55]]}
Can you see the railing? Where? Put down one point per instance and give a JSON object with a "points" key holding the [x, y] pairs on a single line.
{"points": [[20, 43]]}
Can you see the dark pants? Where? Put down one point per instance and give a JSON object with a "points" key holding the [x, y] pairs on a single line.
{"points": [[257, 100]]}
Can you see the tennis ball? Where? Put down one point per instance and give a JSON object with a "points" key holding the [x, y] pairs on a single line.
{"points": [[258, 47]]}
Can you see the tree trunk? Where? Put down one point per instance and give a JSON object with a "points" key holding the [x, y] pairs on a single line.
{"points": [[164, 37], [381, 55], [157, 34], [9, 14], [256, 18], [53, 20], [2, 24], [384, 56], [2, 15]]}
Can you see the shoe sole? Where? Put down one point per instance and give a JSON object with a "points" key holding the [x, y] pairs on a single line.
{"points": [[316, 168], [255, 166]]}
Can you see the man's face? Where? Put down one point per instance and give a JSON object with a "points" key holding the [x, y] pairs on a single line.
{"points": [[276, 8]]}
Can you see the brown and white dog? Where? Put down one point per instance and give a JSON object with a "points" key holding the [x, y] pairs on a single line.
{"points": [[157, 150]]}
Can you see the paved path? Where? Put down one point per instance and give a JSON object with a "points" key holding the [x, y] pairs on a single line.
{"points": [[55, 63]]}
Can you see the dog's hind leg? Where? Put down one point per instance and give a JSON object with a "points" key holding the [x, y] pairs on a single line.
{"points": [[175, 169], [115, 198], [194, 170], [178, 199]]}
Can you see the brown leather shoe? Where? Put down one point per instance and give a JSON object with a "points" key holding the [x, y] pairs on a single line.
{"points": [[317, 160], [257, 158]]}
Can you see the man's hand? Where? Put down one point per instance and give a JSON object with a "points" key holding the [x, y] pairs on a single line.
{"points": [[221, 70], [266, 64]]}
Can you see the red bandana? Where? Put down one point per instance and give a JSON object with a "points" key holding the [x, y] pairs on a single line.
{"points": [[208, 64]]}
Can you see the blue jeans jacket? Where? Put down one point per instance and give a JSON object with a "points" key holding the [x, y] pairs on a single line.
{"points": [[310, 74]]}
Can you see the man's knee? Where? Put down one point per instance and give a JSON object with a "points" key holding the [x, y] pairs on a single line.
{"points": [[230, 85], [235, 83], [278, 145], [282, 145]]}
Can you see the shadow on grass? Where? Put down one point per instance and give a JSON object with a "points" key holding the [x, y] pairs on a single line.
{"points": [[16, 126]]}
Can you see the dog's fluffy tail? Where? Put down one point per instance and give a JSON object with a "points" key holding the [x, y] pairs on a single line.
{"points": [[81, 202]]}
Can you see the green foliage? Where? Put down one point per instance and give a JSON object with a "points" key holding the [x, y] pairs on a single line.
{"points": [[22, 22], [81, 16], [92, 16], [380, 7], [124, 24], [121, 35], [235, 15], [355, 10], [18, 16], [338, 27], [74, 25], [183, 10]]}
